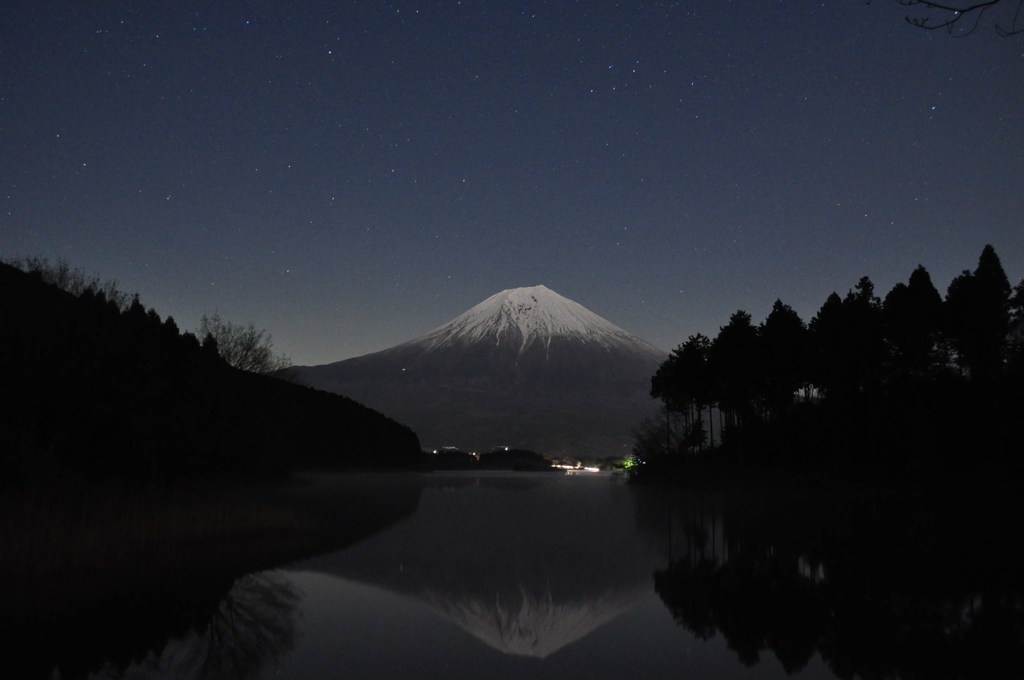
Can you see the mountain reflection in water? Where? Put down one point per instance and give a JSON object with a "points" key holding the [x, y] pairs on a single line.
{"points": [[525, 563], [507, 575], [808, 584]]}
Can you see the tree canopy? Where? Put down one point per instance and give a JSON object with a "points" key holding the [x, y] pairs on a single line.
{"points": [[889, 378]]}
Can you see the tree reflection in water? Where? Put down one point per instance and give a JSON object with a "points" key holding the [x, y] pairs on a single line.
{"points": [[878, 587], [251, 628], [101, 576]]}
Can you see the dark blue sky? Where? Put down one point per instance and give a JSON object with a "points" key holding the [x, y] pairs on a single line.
{"points": [[349, 175]]}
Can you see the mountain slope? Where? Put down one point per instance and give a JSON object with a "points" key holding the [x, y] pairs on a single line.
{"points": [[526, 367], [90, 388]]}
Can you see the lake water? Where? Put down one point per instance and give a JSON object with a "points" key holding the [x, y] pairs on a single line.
{"points": [[510, 575]]}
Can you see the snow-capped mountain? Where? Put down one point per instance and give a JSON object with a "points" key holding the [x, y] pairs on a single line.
{"points": [[526, 367], [518, 317]]}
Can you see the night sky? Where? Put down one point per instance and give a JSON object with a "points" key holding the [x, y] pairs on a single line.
{"points": [[350, 175]]}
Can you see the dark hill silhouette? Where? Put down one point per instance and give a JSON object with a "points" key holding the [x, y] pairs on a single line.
{"points": [[96, 388]]}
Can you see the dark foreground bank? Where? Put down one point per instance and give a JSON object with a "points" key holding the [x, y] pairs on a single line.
{"points": [[101, 389], [102, 574]]}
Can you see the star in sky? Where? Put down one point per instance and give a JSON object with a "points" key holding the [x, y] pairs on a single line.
{"points": [[375, 150]]}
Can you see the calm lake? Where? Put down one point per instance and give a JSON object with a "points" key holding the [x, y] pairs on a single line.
{"points": [[510, 575]]}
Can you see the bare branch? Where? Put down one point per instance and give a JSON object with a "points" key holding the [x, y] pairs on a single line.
{"points": [[73, 280], [244, 347], [963, 18]]}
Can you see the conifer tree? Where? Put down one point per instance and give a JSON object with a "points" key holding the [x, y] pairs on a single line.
{"points": [[784, 344], [977, 316]]}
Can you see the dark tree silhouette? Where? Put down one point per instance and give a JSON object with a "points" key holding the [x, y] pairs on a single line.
{"points": [[977, 316], [657, 437], [1015, 343], [736, 370], [883, 396], [849, 343], [864, 318], [1017, 305], [784, 345], [73, 280], [912, 316], [962, 17], [244, 347], [682, 382], [828, 346]]}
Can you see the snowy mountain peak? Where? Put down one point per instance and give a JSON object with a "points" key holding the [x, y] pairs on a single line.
{"points": [[518, 317], [525, 367]]}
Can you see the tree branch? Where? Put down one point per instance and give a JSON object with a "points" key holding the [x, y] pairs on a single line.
{"points": [[952, 14]]}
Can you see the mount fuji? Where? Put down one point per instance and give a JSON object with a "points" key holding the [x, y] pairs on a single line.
{"points": [[526, 368]]}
